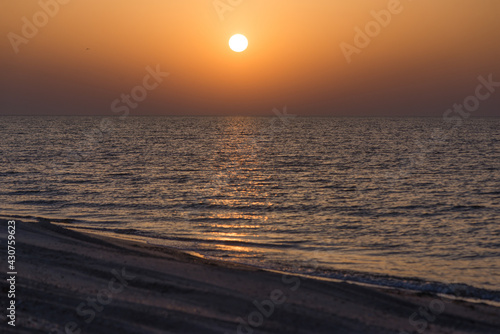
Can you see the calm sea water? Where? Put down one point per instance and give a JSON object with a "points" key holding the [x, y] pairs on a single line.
{"points": [[400, 202]]}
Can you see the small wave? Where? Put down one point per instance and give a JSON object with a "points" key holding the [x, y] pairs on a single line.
{"points": [[415, 284], [462, 208], [41, 202]]}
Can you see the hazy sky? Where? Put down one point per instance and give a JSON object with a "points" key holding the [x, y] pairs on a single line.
{"points": [[86, 55]]}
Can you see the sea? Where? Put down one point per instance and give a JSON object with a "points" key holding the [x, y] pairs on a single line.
{"points": [[410, 203]]}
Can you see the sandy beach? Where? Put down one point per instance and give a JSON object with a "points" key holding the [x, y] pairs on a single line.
{"points": [[69, 282]]}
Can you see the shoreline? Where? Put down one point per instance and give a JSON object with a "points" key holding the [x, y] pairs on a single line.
{"points": [[170, 291], [370, 284], [456, 291]]}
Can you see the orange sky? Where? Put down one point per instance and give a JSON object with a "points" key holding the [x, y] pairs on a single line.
{"points": [[89, 53]]}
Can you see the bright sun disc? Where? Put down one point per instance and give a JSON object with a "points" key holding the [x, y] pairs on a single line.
{"points": [[238, 43]]}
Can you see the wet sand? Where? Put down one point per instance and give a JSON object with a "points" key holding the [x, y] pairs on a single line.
{"points": [[71, 282]]}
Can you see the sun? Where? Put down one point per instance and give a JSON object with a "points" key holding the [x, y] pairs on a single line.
{"points": [[238, 43]]}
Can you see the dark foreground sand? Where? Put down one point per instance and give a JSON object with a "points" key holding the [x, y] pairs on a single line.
{"points": [[70, 282]]}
